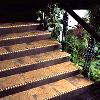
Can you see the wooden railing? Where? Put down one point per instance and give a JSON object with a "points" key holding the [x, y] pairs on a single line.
{"points": [[88, 28]]}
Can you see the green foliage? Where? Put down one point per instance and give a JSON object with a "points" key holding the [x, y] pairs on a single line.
{"points": [[94, 72], [53, 20], [76, 46]]}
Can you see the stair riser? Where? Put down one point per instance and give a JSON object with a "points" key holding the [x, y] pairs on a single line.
{"points": [[19, 29], [95, 91], [73, 94], [88, 93], [36, 84], [28, 52], [33, 67], [24, 40]]}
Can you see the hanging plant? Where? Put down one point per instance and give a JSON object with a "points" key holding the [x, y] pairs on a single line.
{"points": [[54, 21]]}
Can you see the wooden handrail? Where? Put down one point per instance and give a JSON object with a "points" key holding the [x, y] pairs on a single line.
{"points": [[89, 29]]}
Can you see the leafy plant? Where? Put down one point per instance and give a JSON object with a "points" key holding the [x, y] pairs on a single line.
{"points": [[53, 20], [94, 72], [76, 46]]}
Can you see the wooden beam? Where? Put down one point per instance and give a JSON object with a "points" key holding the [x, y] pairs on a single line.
{"points": [[89, 29]]}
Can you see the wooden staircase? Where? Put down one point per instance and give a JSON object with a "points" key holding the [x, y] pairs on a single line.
{"points": [[32, 66]]}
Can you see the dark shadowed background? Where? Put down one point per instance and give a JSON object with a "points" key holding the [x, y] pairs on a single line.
{"points": [[24, 10]]}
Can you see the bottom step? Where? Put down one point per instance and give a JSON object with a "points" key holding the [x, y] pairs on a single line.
{"points": [[59, 90]]}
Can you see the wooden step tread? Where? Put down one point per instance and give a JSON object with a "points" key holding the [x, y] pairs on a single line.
{"points": [[39, 74], [20, 24], [52, 90], [26, 46], [22, 35], [33, 59]]}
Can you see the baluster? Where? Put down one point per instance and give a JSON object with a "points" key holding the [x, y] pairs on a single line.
{"points": [[65, 25], [88, 56]]}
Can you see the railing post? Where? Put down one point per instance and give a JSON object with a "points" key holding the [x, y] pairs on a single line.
{"points": [[65, 24], [65, 28], [89, 55]]}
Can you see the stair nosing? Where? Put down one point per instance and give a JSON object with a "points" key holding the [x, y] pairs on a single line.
{"points": [[27, 36], [14, 67], [28, 49], [66, 92], [37, 80], [15, 26]]}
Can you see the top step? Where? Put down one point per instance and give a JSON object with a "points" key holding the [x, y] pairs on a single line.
{"points": [[18, 27]]}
